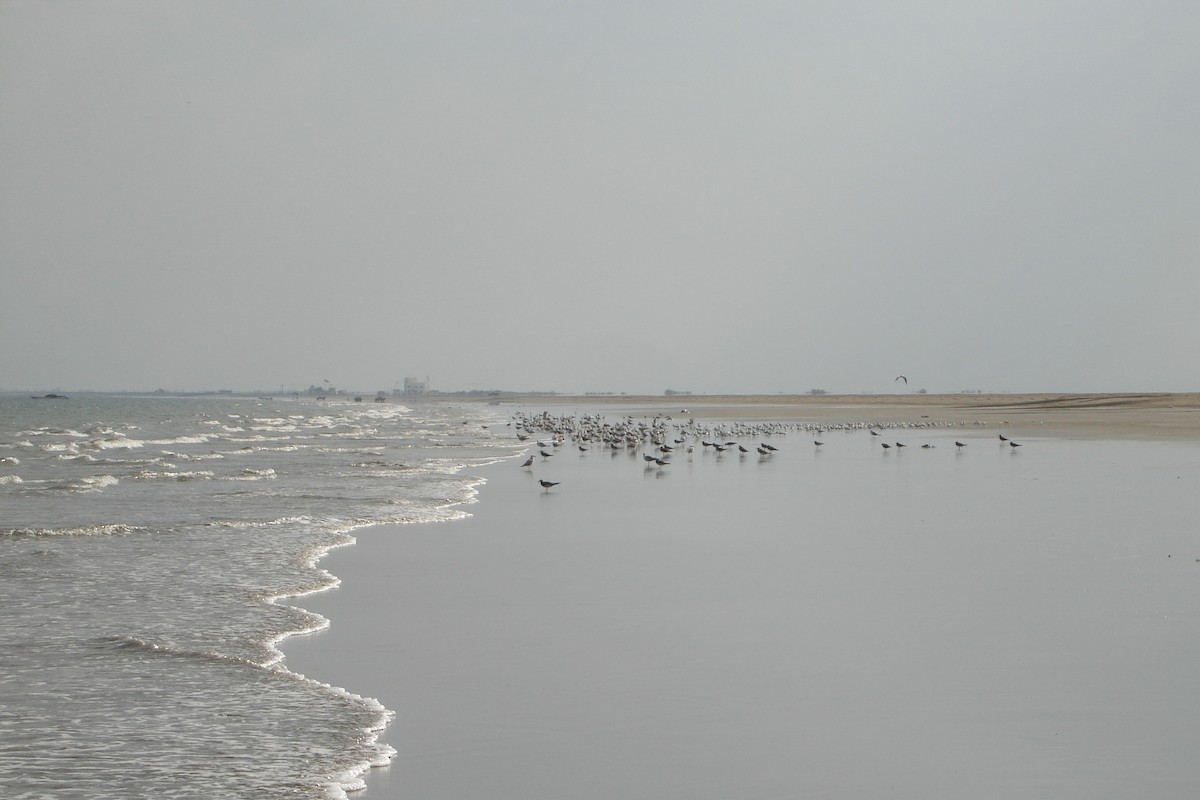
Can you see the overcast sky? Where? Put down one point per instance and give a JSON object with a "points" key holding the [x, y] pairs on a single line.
{"points": [[601, 196]]}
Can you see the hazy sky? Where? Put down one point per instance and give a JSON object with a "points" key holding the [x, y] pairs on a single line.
{"points": [[601, 196]]}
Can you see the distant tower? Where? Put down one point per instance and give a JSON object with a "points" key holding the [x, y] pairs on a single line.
{"points": [[416, 385]]}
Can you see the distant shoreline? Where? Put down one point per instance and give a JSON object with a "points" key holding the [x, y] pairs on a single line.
{"points": [[1083, 416]]}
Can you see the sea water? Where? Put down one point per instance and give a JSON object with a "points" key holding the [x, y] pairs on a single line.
{"points": [[151, 553], [843, 620]]}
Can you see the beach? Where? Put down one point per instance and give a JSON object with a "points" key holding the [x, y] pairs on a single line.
{"points": [[834, 620]]}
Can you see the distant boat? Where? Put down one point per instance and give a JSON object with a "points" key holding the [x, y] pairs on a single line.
{"points": [[48, 396]]}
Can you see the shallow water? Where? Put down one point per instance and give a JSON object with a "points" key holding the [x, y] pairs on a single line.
{"points": [[145, 545], [841, 621]]}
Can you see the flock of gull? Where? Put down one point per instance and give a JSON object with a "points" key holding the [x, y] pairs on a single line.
{"points": [[660, 438]]}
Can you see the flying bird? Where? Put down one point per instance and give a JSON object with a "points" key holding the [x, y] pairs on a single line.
{"points": [[901, 378]]}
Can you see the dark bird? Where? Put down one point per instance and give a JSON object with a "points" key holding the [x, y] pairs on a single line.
{"points": [[547, 484], [742, 449], [960, 444], [545, 454], [661, 462], [582, 449], [1003, 438], [528, 462], [1014, 444], [769, 447], [926, 447], [818, 444], [762, 451], [874, 433], [886, 446], [901, 444], [648, 458], [901, 378]]}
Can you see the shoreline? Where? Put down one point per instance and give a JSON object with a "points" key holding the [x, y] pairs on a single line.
{"points": [[442, 625], [1080, 416]]}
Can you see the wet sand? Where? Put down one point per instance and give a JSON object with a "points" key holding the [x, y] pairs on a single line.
{"points": [[841, 621]]}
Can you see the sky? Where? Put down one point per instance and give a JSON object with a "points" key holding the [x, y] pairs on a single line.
{"points": [[752, 197]]}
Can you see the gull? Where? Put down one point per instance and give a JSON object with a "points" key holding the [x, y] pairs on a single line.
{"points": [[901, 378], [1003, 438], [528, 462], [818, 444], [960, 444], [886, 446], [1014, 444], [547, 484], [901, 444], [545, 454]]}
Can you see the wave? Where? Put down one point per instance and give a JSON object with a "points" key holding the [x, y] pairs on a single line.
{"points": [[193, 457], [10, 480], [96, 483], [60, 447], [10, 460], [89, 530], [246, 524], [53, 432], [167, 475], [115, 442], [252, 475], [188, 439], [347, 778]]}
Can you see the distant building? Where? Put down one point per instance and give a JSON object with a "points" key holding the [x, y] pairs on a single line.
{"points": [[416, 385]]}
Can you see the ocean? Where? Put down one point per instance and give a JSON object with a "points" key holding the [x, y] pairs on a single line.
{"points": [[154, 551], [836, 620]]}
